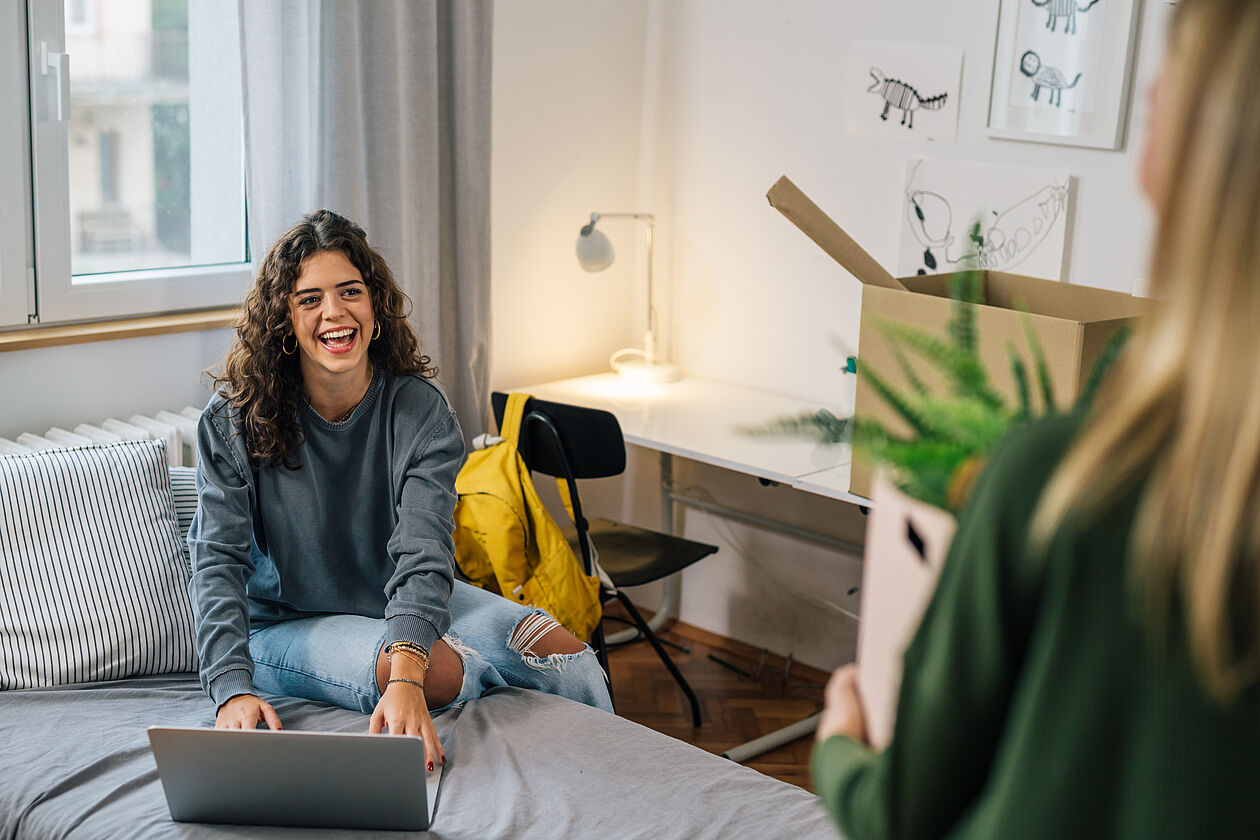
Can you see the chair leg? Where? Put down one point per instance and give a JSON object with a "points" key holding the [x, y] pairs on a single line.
{"points": [[660, 651], [601, 656]]}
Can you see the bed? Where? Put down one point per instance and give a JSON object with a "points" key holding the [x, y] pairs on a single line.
{"points": [[97, 644], [75, 763]]}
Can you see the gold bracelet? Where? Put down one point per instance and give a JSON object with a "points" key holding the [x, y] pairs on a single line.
{"points": [[422, 656], [422, 662]]}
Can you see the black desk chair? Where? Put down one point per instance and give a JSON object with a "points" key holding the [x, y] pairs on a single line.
{"points": [[571, 442]]}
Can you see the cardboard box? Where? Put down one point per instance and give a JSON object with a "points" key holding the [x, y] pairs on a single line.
{"points": [[1072, 323]]}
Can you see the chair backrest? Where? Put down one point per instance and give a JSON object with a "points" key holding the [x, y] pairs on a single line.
{"points": [[590, 437]]}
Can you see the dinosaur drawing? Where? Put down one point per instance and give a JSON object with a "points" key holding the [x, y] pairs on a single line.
{"points": [[898, 94], [1063, 9], [1045, 77]]}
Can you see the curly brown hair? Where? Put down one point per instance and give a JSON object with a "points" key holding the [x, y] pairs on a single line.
{"points": [[261, 383]]}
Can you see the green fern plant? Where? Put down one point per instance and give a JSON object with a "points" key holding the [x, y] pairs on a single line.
{"points": [[951, 433]]}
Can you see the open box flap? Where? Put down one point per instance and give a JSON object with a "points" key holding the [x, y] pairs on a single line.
{"points": [[787, 198], [1060, 300], [1054, 298]]}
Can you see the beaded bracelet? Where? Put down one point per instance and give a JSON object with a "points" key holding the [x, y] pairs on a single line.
{"points": [[418, 685], [422, 656]]}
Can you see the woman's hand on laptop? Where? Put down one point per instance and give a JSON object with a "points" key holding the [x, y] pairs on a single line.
{"points": [[404, 710], [246, 711], [403, 707]]}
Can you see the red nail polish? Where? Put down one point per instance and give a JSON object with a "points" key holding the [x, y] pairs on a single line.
{"points": [[430, 766]]}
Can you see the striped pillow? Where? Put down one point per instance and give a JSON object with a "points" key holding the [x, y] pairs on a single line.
{"points": [[184, 488], [92, 582]]}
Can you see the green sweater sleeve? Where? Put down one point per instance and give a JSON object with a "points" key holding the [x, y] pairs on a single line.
{"points": [[846, 777], [958, 675]]}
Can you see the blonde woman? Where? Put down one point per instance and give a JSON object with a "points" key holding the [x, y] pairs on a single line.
{"points": [[1090, 664]]}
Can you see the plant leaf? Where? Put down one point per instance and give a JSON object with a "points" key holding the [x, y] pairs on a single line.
{"points": [[967, 289], [1106, 357], [965, 370], [820, 425], [895, 400], [906, 368], [1039, 359], [1020, 373], [922, 468], [966, 421]]}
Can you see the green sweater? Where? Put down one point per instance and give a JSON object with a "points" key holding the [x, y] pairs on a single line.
{"points": [[1035, 703]]}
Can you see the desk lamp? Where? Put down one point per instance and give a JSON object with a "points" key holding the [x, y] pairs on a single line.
{"points": [[595, 253]]}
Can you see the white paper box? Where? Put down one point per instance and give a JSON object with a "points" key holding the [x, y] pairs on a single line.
{"points": [[906, 544]]}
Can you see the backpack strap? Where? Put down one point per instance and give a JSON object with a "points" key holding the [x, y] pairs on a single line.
{"points": [[512, 416], [565, 498]]}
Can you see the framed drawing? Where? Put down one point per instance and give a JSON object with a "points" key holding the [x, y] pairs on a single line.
{"points": [[1062, 71]]}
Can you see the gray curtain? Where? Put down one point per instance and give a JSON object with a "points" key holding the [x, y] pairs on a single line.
{"points": [[380, 111]]}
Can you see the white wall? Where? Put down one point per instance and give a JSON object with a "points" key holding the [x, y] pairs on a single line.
{"points": [[568, 89], [85, 383], [733, 94]]}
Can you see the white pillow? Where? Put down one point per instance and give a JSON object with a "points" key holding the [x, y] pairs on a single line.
{"points": [[184, 488], [92, 581]]}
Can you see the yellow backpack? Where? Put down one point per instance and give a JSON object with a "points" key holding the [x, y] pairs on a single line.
{"points": [[503, 533]]}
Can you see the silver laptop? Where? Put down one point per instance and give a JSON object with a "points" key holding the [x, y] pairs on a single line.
{"points": [[291, 778]]}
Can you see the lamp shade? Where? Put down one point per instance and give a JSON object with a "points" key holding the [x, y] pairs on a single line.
{"points": [[594, 251]]}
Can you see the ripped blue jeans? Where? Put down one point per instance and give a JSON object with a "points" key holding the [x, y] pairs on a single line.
{"points": [[332, 658]]}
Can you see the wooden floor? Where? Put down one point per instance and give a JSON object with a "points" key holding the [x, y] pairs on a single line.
{"points": [[734, 707]]}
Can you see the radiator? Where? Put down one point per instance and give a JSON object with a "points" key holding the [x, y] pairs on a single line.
{"points": [[178, 429]]}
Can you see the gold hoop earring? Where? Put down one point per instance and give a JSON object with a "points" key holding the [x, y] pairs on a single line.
{"points": [[376, 333], [284, 349]]}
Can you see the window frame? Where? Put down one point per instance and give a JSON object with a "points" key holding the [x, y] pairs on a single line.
{"points": [[16, 298], [58, 298]]}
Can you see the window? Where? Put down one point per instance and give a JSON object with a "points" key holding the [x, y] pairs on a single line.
{"points": [[15, 194], [129, 132], [109, 167], [80, 17]]}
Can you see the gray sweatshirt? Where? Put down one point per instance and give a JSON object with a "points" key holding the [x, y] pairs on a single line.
{"points": [[362, 527]]}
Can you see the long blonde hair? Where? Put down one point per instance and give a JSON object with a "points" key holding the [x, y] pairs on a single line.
{"points": [[1182, 413]]}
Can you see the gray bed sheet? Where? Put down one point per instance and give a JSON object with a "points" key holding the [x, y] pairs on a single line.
{"points": [[75, 763]]}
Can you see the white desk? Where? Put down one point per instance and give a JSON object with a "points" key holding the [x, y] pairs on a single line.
{"points": [[708, 421], [705, 420]]}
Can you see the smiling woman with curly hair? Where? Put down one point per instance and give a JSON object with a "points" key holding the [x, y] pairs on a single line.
{"points": [[261, 378], [321, 549]]}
